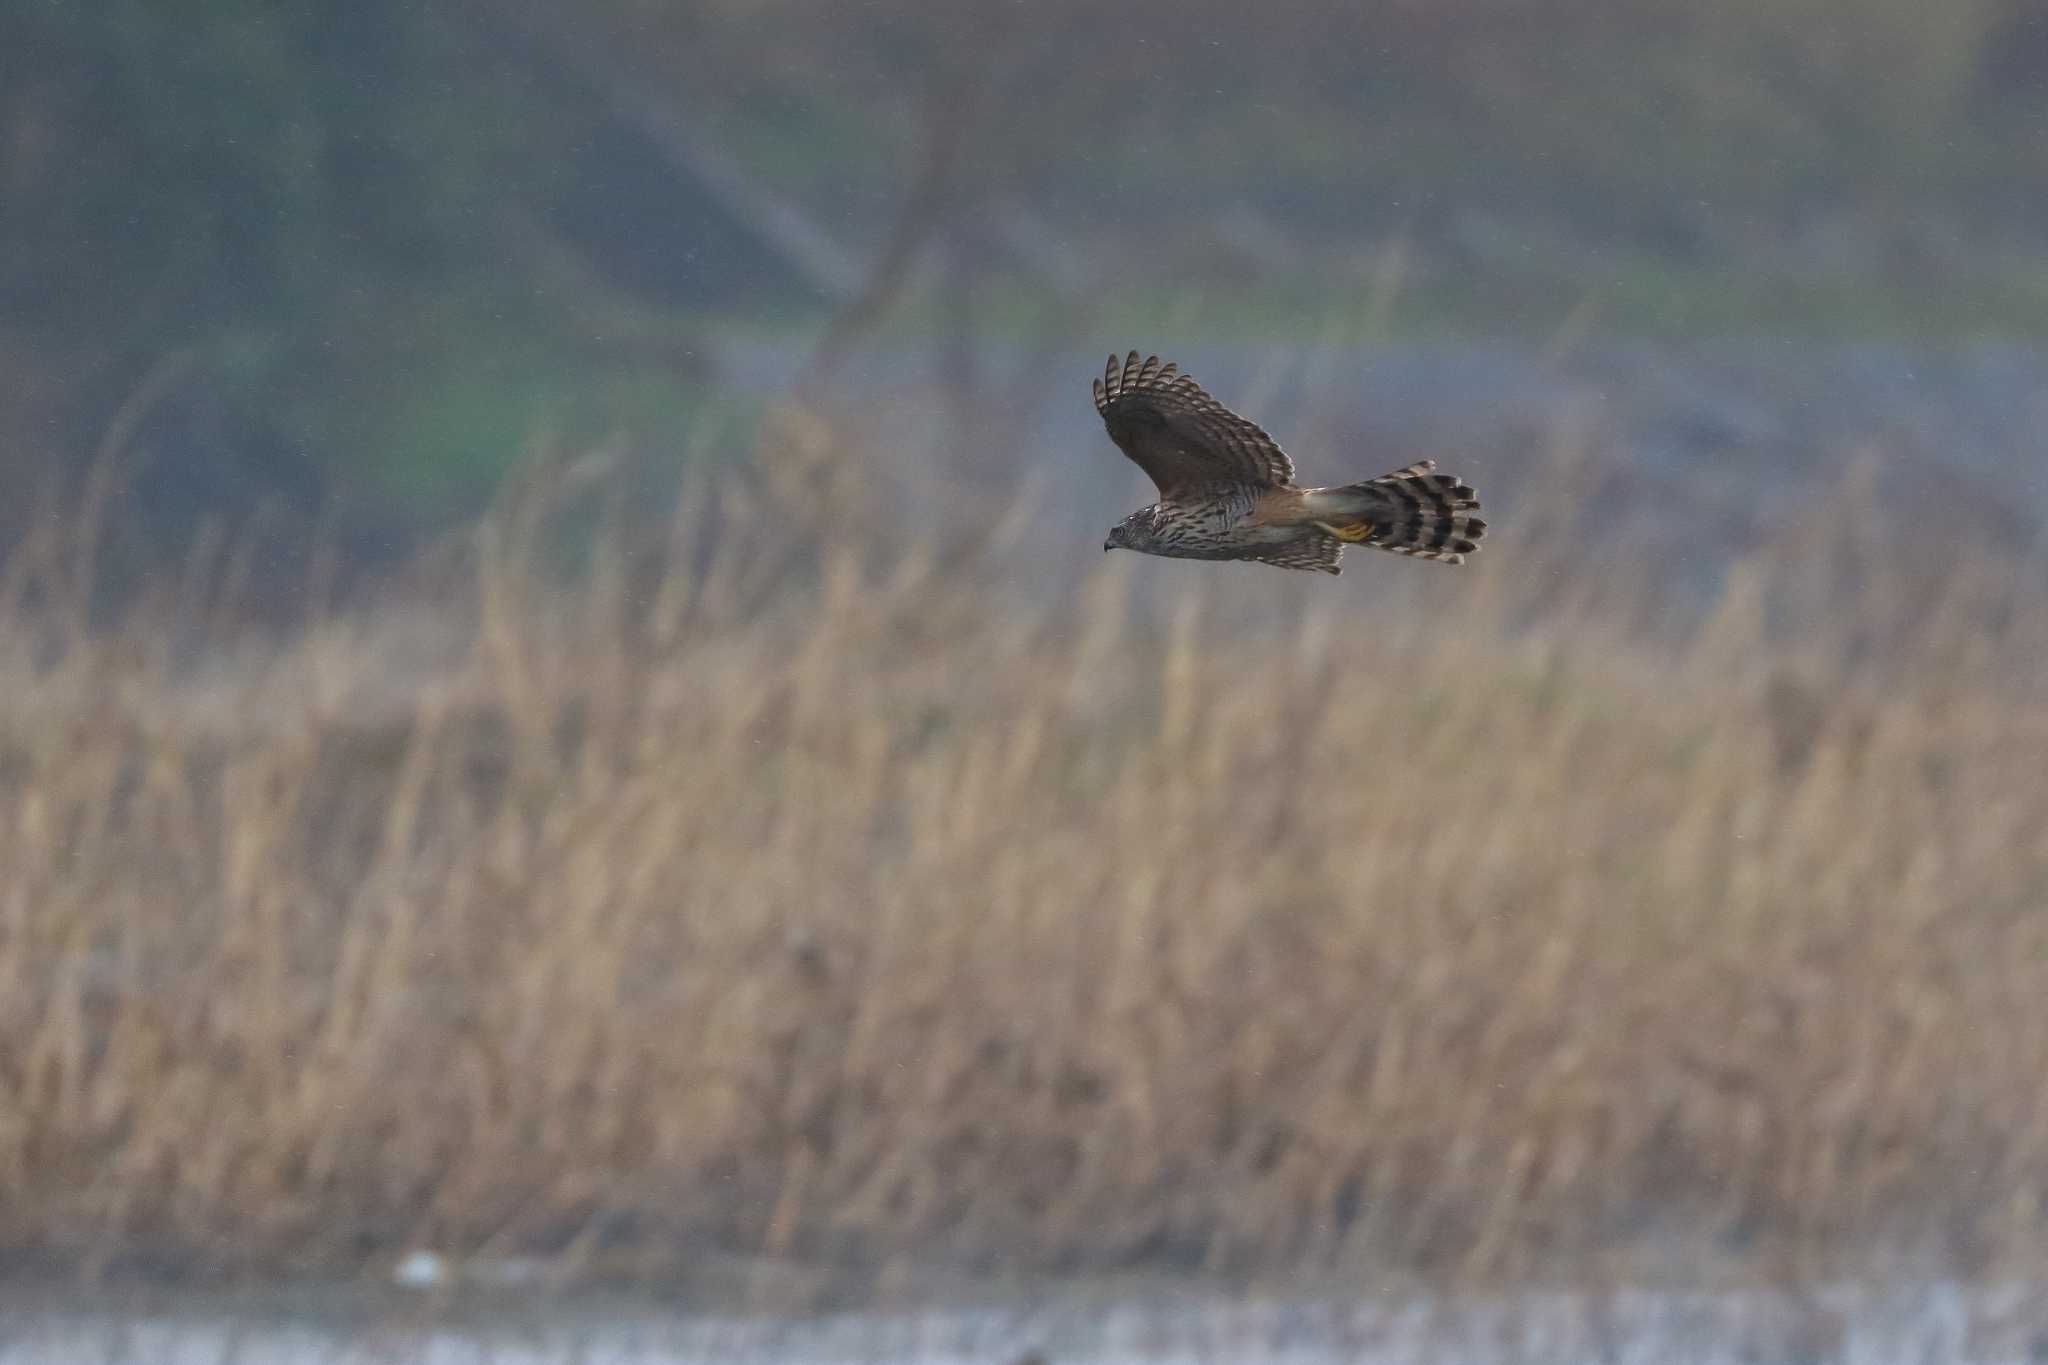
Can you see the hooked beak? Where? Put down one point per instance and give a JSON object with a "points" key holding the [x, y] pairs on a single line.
{"points": [[1108, 545]]}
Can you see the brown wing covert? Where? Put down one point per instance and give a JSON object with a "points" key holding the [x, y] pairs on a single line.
{"points": [[1178, 434]]}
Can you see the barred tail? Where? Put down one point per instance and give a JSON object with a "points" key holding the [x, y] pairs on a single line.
{"points": [[1411, 511]]}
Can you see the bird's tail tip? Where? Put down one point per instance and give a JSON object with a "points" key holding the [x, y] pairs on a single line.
{"points": [[1413, 511]]}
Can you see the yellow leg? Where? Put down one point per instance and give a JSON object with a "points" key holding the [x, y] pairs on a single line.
{"points": [[1355, 532]]}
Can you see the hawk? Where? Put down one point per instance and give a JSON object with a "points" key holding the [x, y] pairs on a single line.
{"points": [[1227, 490]]}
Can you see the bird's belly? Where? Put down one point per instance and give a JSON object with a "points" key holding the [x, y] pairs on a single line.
{"points": [[1226, 539], [1226, 527]]}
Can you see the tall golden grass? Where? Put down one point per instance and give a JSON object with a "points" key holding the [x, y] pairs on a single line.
{"points": [[841, 905]]}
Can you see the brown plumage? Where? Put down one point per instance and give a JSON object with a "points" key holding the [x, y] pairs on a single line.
{"points": [[1227, 490]]}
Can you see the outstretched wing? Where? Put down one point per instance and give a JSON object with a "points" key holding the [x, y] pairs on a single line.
{"points": [[1316, 553], [1178, 434]]}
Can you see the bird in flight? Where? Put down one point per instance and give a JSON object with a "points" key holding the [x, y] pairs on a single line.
{"points": [[1227, 490]]}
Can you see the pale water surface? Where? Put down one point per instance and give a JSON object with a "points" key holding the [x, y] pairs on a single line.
{"points": [[1859, 1326]]}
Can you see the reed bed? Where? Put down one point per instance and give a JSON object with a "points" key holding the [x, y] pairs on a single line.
{"points": [[846, 905]]}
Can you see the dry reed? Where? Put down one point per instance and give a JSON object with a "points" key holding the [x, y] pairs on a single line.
{"points": [[845, 908]]}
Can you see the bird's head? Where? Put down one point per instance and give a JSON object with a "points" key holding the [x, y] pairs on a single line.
{"points": [[1135, 532]]}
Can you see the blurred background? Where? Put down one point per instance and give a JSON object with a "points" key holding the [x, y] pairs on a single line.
{"points": [[563, 721]]}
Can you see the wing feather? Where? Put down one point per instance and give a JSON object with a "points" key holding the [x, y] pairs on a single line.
{"points": [[1315, 553], [1180, 436]]}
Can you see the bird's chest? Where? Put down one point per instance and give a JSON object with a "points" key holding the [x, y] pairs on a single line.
{"points": [[1218, 527]]}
